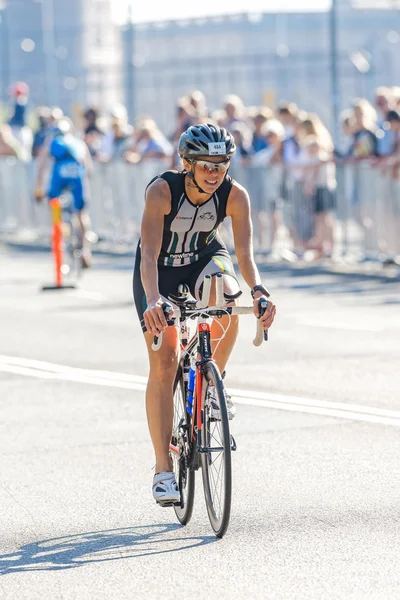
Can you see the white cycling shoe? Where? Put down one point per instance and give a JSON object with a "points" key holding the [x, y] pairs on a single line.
{"points": [[214, 404], [165, 489]]}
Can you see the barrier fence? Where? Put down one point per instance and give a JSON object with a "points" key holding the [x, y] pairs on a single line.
{"points": [[362, 202]]}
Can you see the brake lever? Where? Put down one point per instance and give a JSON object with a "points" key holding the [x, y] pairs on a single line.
{"points": [[157, 341], [262, 307]]}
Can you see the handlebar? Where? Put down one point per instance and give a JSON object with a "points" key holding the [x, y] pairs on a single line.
{"points": [[201, 308]]}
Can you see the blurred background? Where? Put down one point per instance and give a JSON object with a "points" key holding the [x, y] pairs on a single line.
{"points": [[311, 93]]}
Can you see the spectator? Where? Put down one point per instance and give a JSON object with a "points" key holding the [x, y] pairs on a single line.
{"points": [[364, 143], [43, 114], [319, 183], [269, 197], [396, 97], [148, 143], [185, 116], [288, 115], [90, 121], [259, 119], [115, 141], [384, 101], [234, 111], [10, 145], [390, 244], [347, 128], [198, 102], [17, 121], [219, 117], [274, 134], [92, 132], [393, 119], [242, 136]]}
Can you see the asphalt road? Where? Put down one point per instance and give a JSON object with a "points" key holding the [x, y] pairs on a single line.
{"points": [[316, 509]]}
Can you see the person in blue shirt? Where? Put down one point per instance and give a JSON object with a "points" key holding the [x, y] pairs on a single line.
{"points": [[72, 165]]}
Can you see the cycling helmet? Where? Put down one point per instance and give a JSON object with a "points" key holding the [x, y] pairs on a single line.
{"points": [[206, 140], [64, 125]]}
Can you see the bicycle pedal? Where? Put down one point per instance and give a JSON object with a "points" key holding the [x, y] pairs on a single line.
{"points": [[233, 444], [168, 503]]}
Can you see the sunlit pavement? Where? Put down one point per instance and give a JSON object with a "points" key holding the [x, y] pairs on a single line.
{"points": [[316, 474]]}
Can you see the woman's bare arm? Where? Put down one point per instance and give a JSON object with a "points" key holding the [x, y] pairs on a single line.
{"points": [[158, 204], [238, 208]]}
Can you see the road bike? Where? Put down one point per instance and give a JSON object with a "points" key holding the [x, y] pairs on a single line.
{"points": [[200, 435], [73, 239]]}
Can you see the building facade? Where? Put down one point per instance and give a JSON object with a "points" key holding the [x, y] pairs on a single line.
{"points": [[264, 58], [68, 52]]}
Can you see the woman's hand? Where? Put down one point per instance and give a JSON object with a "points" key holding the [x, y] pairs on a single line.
{"points": [[268, 317], [154, 317]]}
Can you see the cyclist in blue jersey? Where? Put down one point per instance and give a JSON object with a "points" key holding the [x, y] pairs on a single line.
{"points": [[72, 165], [179, 244]]}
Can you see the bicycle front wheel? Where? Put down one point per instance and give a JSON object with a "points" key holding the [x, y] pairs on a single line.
{"points": [[180, 452], [215, 452]]}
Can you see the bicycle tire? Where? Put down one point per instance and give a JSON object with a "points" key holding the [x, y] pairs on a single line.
{"points": [[184, 474], [218, 515]]}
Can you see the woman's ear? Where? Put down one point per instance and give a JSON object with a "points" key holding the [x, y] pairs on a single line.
{"points": [[186, 164]]}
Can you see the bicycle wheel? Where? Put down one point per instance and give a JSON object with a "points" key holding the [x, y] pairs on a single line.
{"points": [[180, 452], [215, 454]]}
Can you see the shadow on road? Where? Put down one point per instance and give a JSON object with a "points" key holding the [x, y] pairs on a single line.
{"points": [[74, 551]]}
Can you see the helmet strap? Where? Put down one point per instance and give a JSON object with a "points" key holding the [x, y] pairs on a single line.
{"points": [[191, 176]]}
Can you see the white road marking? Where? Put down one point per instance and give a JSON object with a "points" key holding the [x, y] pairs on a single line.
{"points": [[345, 325], [353, 412]]}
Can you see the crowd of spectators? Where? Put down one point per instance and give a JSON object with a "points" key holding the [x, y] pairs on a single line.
{"points": [[290, 138]]}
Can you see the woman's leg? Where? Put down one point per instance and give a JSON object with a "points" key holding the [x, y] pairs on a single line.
{"points": [[159, 395], [229, 324], [220, 263], [163, 367], [329, 235]]}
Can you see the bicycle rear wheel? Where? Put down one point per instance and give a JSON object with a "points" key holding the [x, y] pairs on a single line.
{"points": [[215, 453], [180, 452]]}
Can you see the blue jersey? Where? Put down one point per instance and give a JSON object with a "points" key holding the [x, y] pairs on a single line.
{"points": [[67, 148], [69, 170]]}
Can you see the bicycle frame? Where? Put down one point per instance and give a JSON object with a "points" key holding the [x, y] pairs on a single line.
{"points": [[203, 334], [202, 338]]}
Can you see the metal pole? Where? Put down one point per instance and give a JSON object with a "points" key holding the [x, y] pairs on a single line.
{"points": [[51, 71], [130, 67], [5, 58], [335, 91]]}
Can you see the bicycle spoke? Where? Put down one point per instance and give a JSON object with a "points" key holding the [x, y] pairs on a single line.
{"points": [[216, 492], [218, 475], [218, 441], [184, 477]]}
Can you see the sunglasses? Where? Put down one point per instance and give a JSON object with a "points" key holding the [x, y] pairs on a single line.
{"points": [[210, 167]]}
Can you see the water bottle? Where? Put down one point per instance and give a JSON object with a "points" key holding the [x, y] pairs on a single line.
{"points": [[186, 369], [192, 377]]}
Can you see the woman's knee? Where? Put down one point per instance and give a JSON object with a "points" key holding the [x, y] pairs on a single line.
{"points": [[165, 360], [165, 364]]}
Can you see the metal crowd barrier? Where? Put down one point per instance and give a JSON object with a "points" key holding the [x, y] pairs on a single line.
{"points": [[365, 205]]}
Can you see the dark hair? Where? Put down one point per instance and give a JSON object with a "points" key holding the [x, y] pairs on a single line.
{"points": [[393, 115]]}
